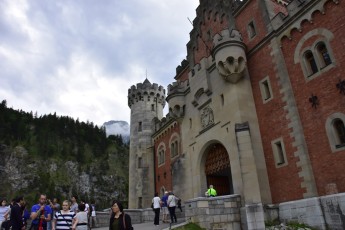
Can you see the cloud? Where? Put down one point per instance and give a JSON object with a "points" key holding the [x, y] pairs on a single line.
{"points": [[78, 58]]}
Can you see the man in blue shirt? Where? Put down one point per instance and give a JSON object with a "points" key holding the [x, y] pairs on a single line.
{"points": [[40, 214], [165, 210]]}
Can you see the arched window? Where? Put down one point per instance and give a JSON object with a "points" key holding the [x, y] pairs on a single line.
{"points": [[310, 63], [339, 131], [172, 149], [161, 154], [161, 157], [323, 54], [336, 131]]}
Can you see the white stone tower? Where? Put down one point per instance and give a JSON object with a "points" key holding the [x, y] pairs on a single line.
{"points": [[146, 101]]}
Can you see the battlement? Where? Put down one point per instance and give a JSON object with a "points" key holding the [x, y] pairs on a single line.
{"points": [[146, 92], [178, 87], [227, 36]]}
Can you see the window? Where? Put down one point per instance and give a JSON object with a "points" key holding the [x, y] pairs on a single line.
{"points": [[152, 107], [161, 157], [310, 63], [251, 29], [190, 123], [140, 202], [339, 130], [266, 90], [140, 126], [279, 152], [222, 99], [323, 54], [140, 162], [159, 177], [335, 130], [174, 148]]}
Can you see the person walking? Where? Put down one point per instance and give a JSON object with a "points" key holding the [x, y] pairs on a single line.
{"points": [[172, 200], [63, 218], [118, 219], [211, 191], [16, 216], [74, 205], [165, 210], [156, 201], [40, 214], [4, 211], [80, 221]]}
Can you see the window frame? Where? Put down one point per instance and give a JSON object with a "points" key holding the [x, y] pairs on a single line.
{"points": [[277, 154], [263, 90], [332, 133]]}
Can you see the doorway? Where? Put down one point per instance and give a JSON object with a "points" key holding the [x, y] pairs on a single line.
{"points": [[217, 169]]}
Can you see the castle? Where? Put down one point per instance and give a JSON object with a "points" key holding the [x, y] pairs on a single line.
{"points": [[257, 108]]}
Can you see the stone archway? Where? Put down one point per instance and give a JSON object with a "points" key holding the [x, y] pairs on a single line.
{"points": [[217, 169]]}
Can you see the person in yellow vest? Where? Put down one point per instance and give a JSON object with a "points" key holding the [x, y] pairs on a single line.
{"points": [[211, 191]]}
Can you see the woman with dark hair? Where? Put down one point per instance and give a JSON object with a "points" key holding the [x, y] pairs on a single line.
{"points": [[118, 219], [156, 202], [80, 220]]}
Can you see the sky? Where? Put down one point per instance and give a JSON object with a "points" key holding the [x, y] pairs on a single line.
{"points": [[78, 58]]}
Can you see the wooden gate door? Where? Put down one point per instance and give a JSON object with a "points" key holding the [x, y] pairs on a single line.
{"points": [[217, 169]]}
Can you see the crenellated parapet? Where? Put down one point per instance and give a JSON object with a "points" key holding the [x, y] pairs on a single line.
{"points": [[230, 56], [146, 92], [176, 98]]}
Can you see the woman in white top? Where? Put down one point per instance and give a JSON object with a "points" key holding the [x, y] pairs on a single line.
{"points": [[80, 221], [156, 201], [4, 211], [63, 219], [172, 200]]}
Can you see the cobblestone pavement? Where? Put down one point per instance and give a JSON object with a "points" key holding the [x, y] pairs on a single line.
{"points": [[150, 226]]}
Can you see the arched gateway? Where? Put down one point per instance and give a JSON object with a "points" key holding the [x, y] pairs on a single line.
{"points": [[217, 169]]}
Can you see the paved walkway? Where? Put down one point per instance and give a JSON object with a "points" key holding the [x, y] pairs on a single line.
{"points": [[150, 226]]}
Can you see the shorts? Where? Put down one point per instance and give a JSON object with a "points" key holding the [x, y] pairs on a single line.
{"points": [[165, 210]]}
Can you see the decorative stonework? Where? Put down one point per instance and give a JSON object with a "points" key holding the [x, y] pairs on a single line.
{"points": [[207, 117], [230, 56]]}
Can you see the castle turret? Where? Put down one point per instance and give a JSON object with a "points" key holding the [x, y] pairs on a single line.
{"points": [[146, 101]]}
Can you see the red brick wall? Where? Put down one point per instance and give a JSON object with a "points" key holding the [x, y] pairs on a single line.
{"points": [[328, 167], [166, 168]]}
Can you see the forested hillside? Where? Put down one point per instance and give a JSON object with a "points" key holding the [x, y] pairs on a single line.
{"points": [[60, 156]]}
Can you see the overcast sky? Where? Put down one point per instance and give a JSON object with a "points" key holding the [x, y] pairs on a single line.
{"points": [[79, 57]]}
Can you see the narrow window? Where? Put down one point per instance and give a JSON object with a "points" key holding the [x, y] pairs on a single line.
{"points": [[172, 150], [251, 29], [140, 162], [165, 175], [222, 99], [190, 123], [158, 178], [140, 202], [279, 152], [324, 55], [339, 130], [152, 107], [266, 90], [310, 63], [281, 159], [140, 126], [176, 148]]}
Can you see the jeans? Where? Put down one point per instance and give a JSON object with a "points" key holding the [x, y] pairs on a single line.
{"points": [[172, 214], [156, 221]]}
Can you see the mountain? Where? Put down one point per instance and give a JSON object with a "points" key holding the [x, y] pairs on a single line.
{"points": [[61, 157], [117, 128]]}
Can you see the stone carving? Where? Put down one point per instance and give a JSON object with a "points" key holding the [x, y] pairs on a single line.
{"points": [[232, 69], [230, 56], [207, 117]]}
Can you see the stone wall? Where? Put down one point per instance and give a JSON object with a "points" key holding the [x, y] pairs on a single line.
{"points": [[325, 212], [137, 216], [215, 212]]}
